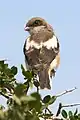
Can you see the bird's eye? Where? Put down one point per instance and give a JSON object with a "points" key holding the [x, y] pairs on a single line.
{"points": [[37, 22]]}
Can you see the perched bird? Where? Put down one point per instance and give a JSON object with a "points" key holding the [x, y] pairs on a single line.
{"points": [[41, 50]]}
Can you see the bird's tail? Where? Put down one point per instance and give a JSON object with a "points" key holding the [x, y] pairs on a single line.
{"points": [[44, 79]]}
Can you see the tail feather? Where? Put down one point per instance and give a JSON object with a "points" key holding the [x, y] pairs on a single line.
{"points": [[44, 79]]}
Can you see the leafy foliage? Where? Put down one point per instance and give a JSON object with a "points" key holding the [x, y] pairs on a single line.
{"points": [[71, 115], [20, 105]]}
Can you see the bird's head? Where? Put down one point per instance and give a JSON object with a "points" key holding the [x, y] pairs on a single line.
{"points": [[36, 24]]}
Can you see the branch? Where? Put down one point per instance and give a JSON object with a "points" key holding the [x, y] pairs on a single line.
{"points": [[49, 110], [27, 88], [71, 105], [52, 118], [59, 109], [66, 91], [60, 105], [4, 60]]}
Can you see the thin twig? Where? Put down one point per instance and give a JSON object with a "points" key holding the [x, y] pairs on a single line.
{"points": [[66, 91], [45, 112], [61, 106], [4, 60], [37, 89], [27, 88], [49, 110], [59, 109], [71, 105], [36, 83]]}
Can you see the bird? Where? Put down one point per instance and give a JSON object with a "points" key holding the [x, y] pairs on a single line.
{"points": [[41, 50]]}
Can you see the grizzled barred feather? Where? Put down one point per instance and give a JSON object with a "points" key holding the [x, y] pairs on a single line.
{"points": [[41, 50]]}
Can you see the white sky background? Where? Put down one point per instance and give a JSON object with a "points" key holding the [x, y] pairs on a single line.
{"points": [[64, 16]]}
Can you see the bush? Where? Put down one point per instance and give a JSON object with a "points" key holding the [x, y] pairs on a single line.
{"points": [[20, 105]]}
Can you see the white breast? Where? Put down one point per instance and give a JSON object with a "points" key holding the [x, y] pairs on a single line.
{"points": [[32, 44], [51, 43]]}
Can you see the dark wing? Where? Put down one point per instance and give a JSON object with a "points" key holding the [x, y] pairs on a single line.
{"points": [[31, 56]]}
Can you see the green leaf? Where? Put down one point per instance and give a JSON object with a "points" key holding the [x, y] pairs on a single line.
{"points": [[37, 103], [2, 115], [28, 74], [19, 89], [19, 115], [46, 99], [4, 90], [14, 70], [33, 111], [27, 98], [1, 62], [22, 68], [64, 113], [52, 100], [31, 85], [75, 117], [6, 66], [17, 100], [29, 115], [35, 115], [36, 96], [9, 73], [79, 116], [2, 65], [2, 107], [70, 113], [43, 107]]}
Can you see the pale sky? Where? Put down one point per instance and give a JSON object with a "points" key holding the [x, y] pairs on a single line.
{"points": [[64, 16]]}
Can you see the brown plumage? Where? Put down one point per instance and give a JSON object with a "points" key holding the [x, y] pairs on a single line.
{"points": [[41, 50]]}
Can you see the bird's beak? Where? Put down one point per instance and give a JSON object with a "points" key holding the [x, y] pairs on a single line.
{"points": [[26, 28]]}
